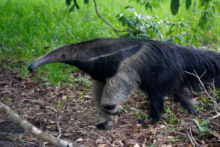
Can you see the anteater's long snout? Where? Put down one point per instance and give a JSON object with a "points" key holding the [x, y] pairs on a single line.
{"points": [[61, 54], [41, 61]]}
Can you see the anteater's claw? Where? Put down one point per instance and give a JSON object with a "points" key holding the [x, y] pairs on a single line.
{"points": [[31, 68]]}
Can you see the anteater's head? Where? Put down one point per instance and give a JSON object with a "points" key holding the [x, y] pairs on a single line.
{"points": [[81, 52], [63, 54]]}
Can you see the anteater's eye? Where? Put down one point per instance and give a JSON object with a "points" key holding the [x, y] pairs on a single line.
{"points": [[63, 56]]}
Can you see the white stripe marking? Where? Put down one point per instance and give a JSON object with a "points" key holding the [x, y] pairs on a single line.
{"points": [[111, 54]]}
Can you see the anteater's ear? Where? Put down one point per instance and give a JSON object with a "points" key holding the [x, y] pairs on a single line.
{"points": [[74, 51]]}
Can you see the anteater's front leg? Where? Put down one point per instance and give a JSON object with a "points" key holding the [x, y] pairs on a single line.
{"points": [[104, 117], [116, 90]]}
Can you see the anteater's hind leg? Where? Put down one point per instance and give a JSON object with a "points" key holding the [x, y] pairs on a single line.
{"points": [[183, 96], [104, 117]]}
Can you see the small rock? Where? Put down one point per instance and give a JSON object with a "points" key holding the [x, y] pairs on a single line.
{"points": [[133, 108], [136, 145], [101, 145], [79, 140], [100, 141], [162, 126], [120, 143]]}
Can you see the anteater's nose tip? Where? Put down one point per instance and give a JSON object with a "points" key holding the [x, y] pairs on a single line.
{"points": [[31, 68]]}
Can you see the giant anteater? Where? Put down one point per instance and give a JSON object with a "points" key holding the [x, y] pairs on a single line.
{"points": [[120, 65]]}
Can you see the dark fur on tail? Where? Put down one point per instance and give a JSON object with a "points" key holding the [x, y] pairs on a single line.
{"points": [[165, 72], [169, 62]]}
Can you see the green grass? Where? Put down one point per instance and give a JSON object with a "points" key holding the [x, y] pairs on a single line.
{"points": [[27, 27]]}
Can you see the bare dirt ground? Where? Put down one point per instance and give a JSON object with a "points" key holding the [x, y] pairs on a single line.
{"points": [[72, 112]]}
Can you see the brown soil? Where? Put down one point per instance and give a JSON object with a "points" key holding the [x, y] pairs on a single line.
{"points": [[50, 107]]}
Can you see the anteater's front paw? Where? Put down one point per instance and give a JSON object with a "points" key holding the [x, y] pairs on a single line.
{"points": [[192, 110], [103, 126], [109, 107]]}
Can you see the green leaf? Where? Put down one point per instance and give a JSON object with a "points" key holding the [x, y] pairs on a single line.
{"points": [[128, 7], [204, 2], [68, 2], [148, 5], [188, 3], [72, 8], [205, 122], [75, 3], [59, 104], [203, 99], [174, 6], [181, 38], [86, 1], [204, 129]]}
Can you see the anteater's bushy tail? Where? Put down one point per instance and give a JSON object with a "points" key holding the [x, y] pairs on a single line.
{"points": [[206, 64]]}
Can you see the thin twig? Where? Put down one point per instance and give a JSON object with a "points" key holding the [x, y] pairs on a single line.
{"points": [[58, 124], [190, 131], [114, 29], [217, 108], [213, 85], [177, 132], [60, 133], [214, 123], [190, 138], [35, 101], [59, 130], [202, 74], [216, 116]]}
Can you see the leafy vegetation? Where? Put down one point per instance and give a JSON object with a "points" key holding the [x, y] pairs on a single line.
{"points": [[202, 127], [191, 26], [31, 28], [171, 116]]}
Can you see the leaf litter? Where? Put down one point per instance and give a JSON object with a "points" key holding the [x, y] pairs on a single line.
{"points": [[58, 109]]}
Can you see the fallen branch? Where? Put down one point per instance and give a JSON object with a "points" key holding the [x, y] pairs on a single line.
{"points": [[28, 127]]}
